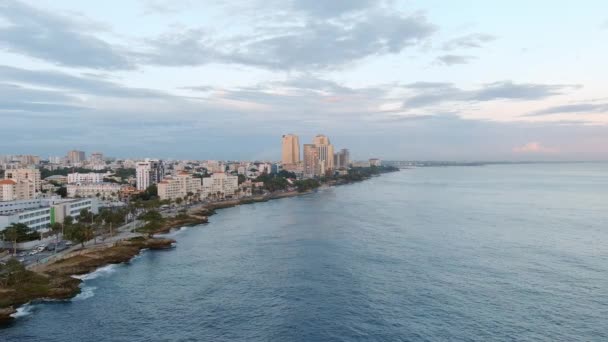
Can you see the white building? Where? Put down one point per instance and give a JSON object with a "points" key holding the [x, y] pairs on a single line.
{"points": [[40, 214], [7, 190], [220, 185], [92, 177], [375, 162], [149, 172], [99, 190], [179, 186]]}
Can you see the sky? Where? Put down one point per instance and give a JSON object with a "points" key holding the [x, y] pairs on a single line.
{"points": [[394, 79]]}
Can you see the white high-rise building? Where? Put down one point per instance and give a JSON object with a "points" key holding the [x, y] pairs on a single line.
{"points": [[27, 182], [149, 172]]}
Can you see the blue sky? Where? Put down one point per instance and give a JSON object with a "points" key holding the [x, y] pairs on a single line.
{"points": [[472, 80]]}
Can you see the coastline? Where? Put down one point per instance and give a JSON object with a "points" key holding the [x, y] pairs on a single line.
{"points": [[61, 283]]}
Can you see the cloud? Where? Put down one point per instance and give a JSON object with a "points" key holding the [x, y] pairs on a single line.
{"points": [[450, 60], [331, 8], [311, 44], [504, 90], [524, 91], [579, 108], [474, 40], [164, 6], [76, 84], [55, 38], [534, 148]]}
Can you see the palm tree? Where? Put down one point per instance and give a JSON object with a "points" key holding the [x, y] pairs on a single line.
{"points": [[12, 234]]}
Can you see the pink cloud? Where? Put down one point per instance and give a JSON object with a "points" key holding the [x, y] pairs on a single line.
{"points": [[534, 147]]}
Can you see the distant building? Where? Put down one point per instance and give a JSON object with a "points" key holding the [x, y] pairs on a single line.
{"points": [[149, 172], [326, 153], [97, 158], [342, 159], [179, 186], [290, 150], [91, 177], [312, 168], [26, 160], [375, 162], [55, 160], [360, 164], [59, 179], [76, 157], [220, 185]]}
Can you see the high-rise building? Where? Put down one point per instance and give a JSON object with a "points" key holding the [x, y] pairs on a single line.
{"points": [[326, 153], [290, 150], [26, 160], [342, 159], [76, 157], [97, 158], [312, 167], [27, 182], [149, 172]]}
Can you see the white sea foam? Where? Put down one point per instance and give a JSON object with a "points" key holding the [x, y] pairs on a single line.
{"points": [[173, 232], [85, 293], [102, 271], [24, 310]]}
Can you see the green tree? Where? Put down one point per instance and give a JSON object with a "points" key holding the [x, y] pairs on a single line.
{"points": [[79, 233], [151, 215], [62, 191], [150, 228], [56, 228], [68, 221], [12, 234]]}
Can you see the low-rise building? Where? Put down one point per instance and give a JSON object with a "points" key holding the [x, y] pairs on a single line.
{"points": [[41, 213], [91, 177], [179, 186], [59, 179], [99, 190]]}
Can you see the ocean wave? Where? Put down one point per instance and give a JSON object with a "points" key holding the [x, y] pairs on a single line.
{"points": [[24, 310], [85, 293], [173, 232], [102, 271]]}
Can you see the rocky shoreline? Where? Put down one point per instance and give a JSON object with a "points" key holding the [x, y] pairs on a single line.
{"points": [[55, 280]]}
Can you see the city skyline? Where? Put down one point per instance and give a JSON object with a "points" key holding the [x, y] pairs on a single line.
{"points": [[419, 80]]}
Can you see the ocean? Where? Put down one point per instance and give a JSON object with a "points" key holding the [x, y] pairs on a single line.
{"points": [[488, 253]]}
